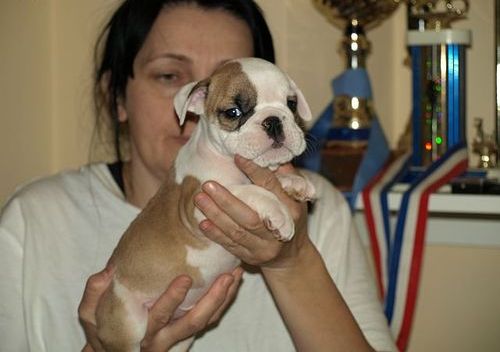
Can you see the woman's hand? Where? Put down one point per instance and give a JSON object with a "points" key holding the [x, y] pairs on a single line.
{"points": [[162, 332], [232, 224]]}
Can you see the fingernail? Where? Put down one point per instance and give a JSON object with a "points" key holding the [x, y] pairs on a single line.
{"points": [[201, 199], [238, 271], [227, 281], [210, 187], [109, 270], [185, 282], [241, 159], [204, 225]]}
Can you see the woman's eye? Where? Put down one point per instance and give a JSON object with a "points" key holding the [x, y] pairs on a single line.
{"points": [[233, 113], [292, 104], [168, 77]]}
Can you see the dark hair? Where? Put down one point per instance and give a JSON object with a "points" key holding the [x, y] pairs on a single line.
{"points": [[124, 35]]}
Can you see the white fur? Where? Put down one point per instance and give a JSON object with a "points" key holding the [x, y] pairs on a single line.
{"points": [[211, 261], [210, 145], [137, 312], [209, 155]]}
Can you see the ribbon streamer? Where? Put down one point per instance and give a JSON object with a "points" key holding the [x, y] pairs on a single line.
{"points": [[398, 253]]}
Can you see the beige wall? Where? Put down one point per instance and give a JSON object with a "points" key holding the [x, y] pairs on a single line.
{"points": [[458, 308], [25, 92], [47, 48], [46, 118], [46, 123]]}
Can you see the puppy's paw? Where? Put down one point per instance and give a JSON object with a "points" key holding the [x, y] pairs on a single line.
{"points": [[279, 221], [297, 186], [273, 213]]}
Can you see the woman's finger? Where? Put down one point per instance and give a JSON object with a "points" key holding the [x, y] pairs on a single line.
{"points": [[164, 308], [197, 318], [207, 205], [257, 252], [260, 176], [221, 201], [96, 286], [230, 214], [287, 169], [231, 294], [87, 348], [214, 233]]}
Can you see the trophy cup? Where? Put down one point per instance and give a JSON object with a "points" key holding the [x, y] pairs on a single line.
{"points": [[484, 146], [438, 66], [351, 115]]}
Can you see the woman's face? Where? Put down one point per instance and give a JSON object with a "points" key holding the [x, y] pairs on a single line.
{"points": [[186, 43]]}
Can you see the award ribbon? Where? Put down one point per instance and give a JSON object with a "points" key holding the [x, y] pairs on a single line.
{"points": [[377, 215], [398, 254]]}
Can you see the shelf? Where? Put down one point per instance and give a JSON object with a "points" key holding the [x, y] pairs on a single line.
{"points": [[444, 201], [454, 219]]}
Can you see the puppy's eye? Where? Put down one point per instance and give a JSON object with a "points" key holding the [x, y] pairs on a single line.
{"points": [[292, 104], [233, 113]]}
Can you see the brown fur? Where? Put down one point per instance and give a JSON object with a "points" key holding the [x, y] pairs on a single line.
{"points": [[112, 309], [156, 233], [230, 83]]}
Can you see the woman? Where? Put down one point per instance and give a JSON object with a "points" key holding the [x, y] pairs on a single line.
{"points": [[55, 232]]}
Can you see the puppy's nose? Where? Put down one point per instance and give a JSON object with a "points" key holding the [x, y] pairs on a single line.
{"points": [[274, 129]]}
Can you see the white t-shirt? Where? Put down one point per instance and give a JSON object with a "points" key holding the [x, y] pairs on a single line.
{"points": [[57, 231]]}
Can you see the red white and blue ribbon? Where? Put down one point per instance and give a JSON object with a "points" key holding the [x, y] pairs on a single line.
{"points": [[398, 253], [377, 215]]}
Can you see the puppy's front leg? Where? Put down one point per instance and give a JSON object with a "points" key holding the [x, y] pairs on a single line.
{"points": [[270, 209]]}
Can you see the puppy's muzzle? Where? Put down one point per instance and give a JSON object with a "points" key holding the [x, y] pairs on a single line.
{"points": [[274, 130]]}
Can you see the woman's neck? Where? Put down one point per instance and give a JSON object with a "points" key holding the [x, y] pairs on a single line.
{"points": [[139, 183]]}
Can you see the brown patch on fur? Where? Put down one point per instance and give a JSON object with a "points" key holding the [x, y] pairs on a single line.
{"points": [[158, 233], [230, 87]]}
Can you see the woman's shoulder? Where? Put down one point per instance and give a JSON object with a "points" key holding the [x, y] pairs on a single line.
{"points": [[330, 218], [75, 184], [327, 195]]}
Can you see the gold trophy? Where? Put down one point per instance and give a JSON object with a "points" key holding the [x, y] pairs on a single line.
{"points": [[347, 139], [437, 14], [484, 146]]}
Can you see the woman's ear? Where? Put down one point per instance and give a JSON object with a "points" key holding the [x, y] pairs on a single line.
{"points": [[104, 87]]}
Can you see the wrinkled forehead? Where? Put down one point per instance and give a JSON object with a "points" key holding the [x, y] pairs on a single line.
{"points": [[272, 84]]}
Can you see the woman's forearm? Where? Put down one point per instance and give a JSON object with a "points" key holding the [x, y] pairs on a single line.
{"points": [[311, 305]]}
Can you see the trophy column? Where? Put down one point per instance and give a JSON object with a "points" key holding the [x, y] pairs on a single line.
{"points": [[438, 61], [438, 64]]}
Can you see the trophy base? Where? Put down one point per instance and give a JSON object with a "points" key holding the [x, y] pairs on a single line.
{"points": [[340, 163]]}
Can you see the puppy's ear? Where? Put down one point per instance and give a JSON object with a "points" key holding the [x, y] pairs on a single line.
{"points": [[302, 107], [190, 98]]}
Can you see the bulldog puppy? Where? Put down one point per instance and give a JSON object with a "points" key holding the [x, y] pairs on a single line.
{"points": [[247, 107]]}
